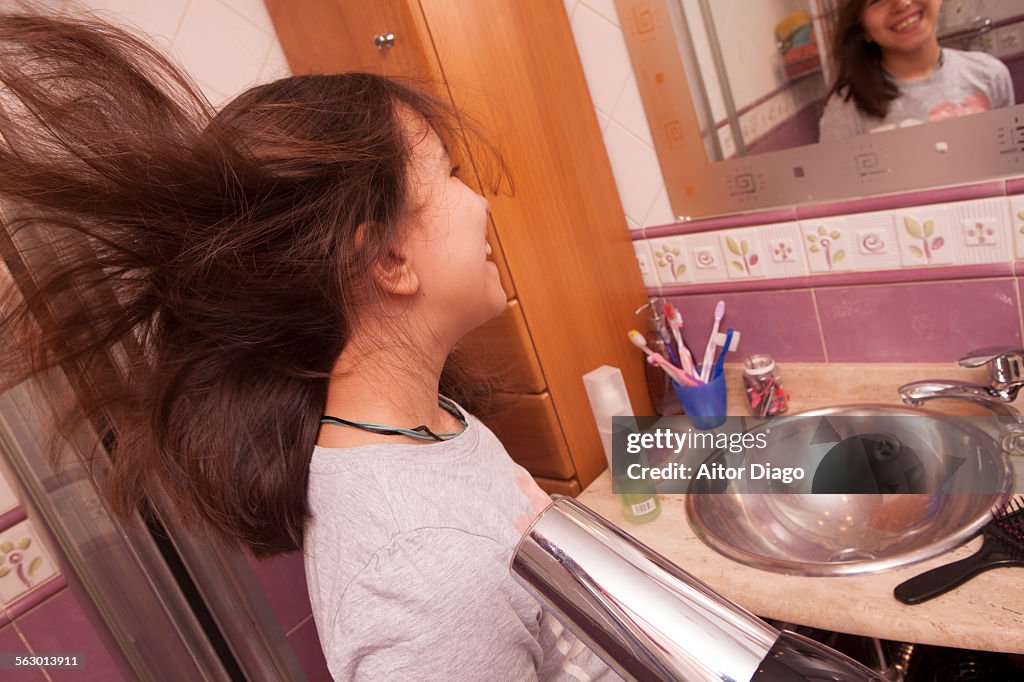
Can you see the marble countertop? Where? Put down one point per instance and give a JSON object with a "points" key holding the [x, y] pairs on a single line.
{"points": [[986, 613]]}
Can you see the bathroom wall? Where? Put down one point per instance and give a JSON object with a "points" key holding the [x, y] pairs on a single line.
{"points": [[227, 46], [923, 276], [768, 121]]}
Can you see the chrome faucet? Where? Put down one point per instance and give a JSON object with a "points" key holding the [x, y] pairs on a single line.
{"points": [[1006, 378], [1006, 372]]}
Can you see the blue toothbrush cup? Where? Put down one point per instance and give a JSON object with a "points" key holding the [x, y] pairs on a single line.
{"points": [[704, 404]]}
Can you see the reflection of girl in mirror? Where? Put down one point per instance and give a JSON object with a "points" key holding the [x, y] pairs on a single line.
{"points": [[891, 71]]}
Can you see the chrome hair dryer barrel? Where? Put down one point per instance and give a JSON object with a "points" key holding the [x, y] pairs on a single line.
{"points": [[649, 619]]}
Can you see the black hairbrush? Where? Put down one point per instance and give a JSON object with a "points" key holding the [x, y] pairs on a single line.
{"points": [[1003, 546]]}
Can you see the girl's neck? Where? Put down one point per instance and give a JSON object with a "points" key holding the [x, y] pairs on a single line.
{"points": [[388, 384], [913, 65]]}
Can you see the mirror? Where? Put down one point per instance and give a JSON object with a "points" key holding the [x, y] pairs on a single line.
{"points": [[733, 91]]}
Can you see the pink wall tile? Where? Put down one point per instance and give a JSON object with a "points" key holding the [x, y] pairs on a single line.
{"points": [[10, 643], [306, 645], [780, 323], [61, 626], [283, 580], [927, 322]]}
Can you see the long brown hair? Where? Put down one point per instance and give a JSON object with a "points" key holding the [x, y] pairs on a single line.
{"points": [[858, 64], [212, 254]]}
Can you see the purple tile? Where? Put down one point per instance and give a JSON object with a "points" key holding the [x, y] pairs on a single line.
{"points": [[10, 643], [283, 579], [36, 596], [306, 645], [11, 517], [60, 625], [780, 323], [1015, 186], [928, 322]]}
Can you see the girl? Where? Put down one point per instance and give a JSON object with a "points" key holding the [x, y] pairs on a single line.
{"points": [[262, 305], [891, 72]]}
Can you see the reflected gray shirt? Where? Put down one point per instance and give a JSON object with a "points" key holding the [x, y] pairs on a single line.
{"points": [[407, 564], [966, 83]]}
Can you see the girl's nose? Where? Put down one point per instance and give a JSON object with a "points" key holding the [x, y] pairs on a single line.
{"points": [[901, 5]]}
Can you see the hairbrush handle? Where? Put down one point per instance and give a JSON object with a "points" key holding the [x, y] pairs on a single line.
{"points": [[942, 579]]}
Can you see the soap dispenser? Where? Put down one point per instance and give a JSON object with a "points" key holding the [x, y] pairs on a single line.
{"points": [[659, 385]]}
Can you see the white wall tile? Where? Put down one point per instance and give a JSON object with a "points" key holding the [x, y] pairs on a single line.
{"points": [[705, 254], [783, 252], [606, 8], [602, 119], [253, 10], [570, 7], [874, 243], [630, 114], [222, 50], [1017, 223], [276, 64], [660, 212], [157, 20], [981, 231], [604, 56], [646, 263], [635, 166]]}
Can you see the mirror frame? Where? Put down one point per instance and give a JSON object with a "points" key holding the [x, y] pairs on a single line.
{"points": [[956, 151]]}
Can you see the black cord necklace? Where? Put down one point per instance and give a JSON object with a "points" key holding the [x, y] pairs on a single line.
{"points": [[420, 432]]}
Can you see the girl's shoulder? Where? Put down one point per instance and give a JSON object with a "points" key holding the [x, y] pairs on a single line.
{"points": [[974, 60]]}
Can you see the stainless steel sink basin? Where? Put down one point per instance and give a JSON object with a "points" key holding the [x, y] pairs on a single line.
{"points": [[847, 534]]}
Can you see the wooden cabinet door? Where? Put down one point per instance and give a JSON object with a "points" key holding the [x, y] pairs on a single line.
{"points": [[328, 36]]}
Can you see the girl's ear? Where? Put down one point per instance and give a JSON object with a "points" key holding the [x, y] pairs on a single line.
{"points": [[395, 275]]}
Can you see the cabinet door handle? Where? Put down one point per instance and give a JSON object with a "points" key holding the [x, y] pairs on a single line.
{"points": [[384, 40]]}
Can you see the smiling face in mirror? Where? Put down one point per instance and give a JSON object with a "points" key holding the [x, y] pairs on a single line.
{"points": [[892, 73], [903, 30]]}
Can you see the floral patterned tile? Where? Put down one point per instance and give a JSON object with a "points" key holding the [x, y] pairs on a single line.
{"points": [[670, 261], [784, 253], [1017, 224], [981, 231], [925, 236], [744, 253], [24, 562], [709, 263], [828, 245]]}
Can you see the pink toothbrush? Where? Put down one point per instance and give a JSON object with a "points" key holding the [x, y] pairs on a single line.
{"points": [[709, 352], [675, 322], [658, 360]]}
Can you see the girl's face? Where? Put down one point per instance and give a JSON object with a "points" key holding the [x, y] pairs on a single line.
{"points": [[447, 243], [900, 25]]}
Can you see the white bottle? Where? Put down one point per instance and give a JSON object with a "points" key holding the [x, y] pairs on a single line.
{"points": [[606, 390]]}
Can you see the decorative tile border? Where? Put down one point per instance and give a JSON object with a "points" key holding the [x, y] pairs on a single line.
{"points": [[980, 237], [25, 565]]}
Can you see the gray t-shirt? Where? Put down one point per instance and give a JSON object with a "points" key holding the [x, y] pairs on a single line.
{"points": [[407, 558], [966, 83]]}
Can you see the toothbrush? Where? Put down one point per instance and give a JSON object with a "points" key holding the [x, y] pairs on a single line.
{"points": [[658, 360], [729, 341], [709, 352], [675, 322]]}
